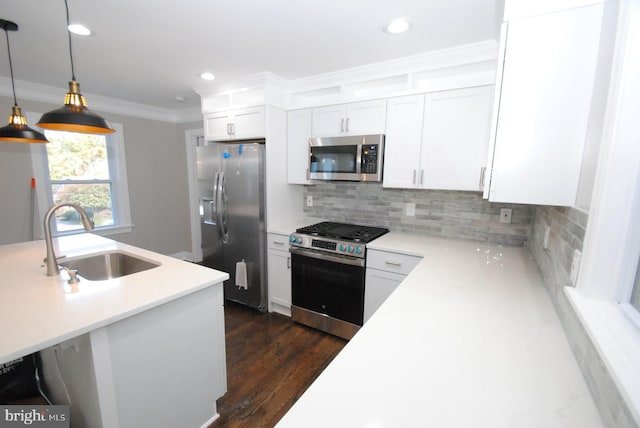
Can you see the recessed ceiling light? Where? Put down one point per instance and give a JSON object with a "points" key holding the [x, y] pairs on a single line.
{"points": [[398, 26], [207, 76], [79, 29]]}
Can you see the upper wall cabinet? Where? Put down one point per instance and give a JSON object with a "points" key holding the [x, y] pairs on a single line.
{"points": [[438, 140], [544, 104], [235, 124], [367, 117], [298, 134]]}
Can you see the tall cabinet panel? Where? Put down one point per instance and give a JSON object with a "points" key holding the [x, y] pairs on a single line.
{"points": [[547, 83], [298, 134]]}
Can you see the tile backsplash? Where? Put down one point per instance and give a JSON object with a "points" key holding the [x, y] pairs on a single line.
{"points": [[452, 214]]}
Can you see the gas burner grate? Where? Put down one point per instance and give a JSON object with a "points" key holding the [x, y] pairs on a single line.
{"points": [[344, 231]]}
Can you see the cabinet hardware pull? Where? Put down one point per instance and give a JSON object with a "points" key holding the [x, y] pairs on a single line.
{"points": [[483, 171], [288, 262], [421, 177], [341, 125], [228, 129], [233, 129], [346, 128], [393, 263], [308, 174], [278, 242], [414, 175]]}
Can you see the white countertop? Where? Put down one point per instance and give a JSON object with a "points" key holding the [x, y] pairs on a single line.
{"points": [[469, 339], [38, 311]]}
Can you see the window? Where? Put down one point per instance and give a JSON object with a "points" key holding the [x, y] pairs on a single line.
{"points": [[635, 294], [86, 169]]}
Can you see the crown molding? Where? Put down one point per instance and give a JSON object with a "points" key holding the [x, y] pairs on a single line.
{"points": [[54, 95]]}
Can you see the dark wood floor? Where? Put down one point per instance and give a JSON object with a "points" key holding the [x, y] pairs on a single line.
{"points": [[271, 361]]}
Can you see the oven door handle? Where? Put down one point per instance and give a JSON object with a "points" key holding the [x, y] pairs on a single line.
{"points": [[353, 261]]}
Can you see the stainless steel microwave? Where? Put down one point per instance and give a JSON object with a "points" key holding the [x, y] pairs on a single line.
{"points": [[353, 158]]}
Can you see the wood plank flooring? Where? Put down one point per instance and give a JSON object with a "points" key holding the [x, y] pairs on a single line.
{"points": [[271, 361]]}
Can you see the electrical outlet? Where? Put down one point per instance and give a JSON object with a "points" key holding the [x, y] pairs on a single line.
{"points": [[575, 266], [505, 215], [411, 209], [545, 240], [309, 201]]}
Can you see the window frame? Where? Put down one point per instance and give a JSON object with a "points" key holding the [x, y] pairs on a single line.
{"points": [[118, 177], [612, 242]]}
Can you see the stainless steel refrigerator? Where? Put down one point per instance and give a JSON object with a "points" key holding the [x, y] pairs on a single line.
{"points": [[231, 182]]}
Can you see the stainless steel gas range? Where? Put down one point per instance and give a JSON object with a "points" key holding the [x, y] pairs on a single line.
{"points": [[327, 275]]}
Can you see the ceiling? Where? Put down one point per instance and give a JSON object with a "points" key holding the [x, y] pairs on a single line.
{"points": [[152, 51]]}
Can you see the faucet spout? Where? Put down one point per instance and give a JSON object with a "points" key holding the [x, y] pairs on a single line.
{"points": [[51, 261]]}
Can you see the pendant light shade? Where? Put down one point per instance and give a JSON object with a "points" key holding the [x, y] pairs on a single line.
{"points": [[74, 115], [17, 130]]}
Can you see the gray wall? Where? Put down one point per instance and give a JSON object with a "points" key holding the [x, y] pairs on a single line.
{"points": [[157, 172], [567, 233], [451, 214]]}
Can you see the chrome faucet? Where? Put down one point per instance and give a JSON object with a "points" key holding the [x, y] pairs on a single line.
{"points": [[51, 261]]}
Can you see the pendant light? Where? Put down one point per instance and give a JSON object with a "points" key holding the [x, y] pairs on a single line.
{"points": [[17, 130], [74, 116]]}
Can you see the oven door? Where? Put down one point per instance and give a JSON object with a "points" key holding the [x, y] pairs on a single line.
{"points": [[327, 285]]}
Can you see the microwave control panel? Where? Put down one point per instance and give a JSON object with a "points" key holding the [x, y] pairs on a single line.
{"points": [[369, 162]]}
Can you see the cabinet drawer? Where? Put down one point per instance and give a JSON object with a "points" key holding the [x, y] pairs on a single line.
{"points": [[277, 241], [391, 262]]}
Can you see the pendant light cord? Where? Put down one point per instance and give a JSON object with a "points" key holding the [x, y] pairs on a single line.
{"points": [[73, 73], [13, 85]]}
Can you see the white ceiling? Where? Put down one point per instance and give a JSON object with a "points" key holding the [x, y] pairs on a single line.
{"points": [[152, 51]]}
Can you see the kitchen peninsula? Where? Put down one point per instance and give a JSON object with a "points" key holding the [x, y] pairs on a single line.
{"points": [[469, 339], [146, 349]]}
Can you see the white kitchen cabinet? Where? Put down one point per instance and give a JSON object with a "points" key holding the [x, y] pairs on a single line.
{"points": [[403, 141], [542, 115], [362, 118], [298, 134], [385, 271], [279, 273], [455, 137], [438, 140], [235, 124]]}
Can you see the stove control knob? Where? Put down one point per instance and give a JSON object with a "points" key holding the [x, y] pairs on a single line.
{"points": [[292, 239], [350, 249], [342, 247], [298, 240], [358, 250]]}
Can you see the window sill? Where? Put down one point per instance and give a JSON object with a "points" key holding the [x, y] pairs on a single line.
{"points": [[103, 231], [617, 339]]}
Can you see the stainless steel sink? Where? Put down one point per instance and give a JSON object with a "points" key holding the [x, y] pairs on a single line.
{"points": [[99, 267]]}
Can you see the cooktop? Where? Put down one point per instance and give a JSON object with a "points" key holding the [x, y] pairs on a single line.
{"points": [[344, 231]]}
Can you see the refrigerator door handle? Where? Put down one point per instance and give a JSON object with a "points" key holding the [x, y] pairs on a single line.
{"points": [[221, 208]]}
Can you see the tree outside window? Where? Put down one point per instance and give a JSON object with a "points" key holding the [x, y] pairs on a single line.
{"points": [[79, 173]]}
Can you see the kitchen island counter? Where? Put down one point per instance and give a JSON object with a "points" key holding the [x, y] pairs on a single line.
{"points": [[146, 349], [469, 339]]}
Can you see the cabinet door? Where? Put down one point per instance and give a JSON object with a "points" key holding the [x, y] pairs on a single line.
{"points": [[249, 123], [403, 141], [379, 286], [367, 117], [279, 276], [298, 134], [216, 125], [329, 121], [455, 139], [548, 77]]}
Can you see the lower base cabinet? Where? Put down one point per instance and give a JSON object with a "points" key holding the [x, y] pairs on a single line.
{"points": [[379, 286], [385, 271], [279, 273]]}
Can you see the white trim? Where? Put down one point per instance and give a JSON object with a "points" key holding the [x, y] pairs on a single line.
{"points": [[98, 103], [612, 241], [617, 340], [190, 139]]}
